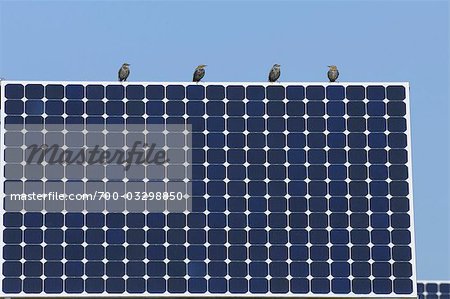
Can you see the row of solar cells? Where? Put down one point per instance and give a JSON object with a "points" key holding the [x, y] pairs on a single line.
{"points": [[197, 92], [212, 172], [433, 290], [316, 219], [253, 188], [212, 285], [199, 108]]}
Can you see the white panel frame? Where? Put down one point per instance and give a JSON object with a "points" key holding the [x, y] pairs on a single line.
{"points": [[225, 84]]}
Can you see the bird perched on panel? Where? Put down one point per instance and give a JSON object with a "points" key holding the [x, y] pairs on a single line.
{"points": [[124, 72], [275, 73], [199, 73], [333, 73]]}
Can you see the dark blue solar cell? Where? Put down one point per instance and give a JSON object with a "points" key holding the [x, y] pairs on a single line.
{"points": [[356, 108], [381, 253], [14, 107], [398, 156], [314, 92], [357, 188], [54, 107], [357, 172], [32, 252], [340, 285], [340, 269], [32, 236], [340, 253], [359, 220], [379, 220], [300, 285], [135, 108], [317, 188], [316, 140], [398, 188], [94, 108], [76, 92], [361, 286], [175, 92], [336, 124], [397, 140], [319, 253], [379, 204], [396, 93], [34, 91], [316, 124], [376, 109], [377, 156], [275, 93], [399, 204], [355, 92], [235, 124], [401, 253], [135, 92], [77, 108], [403, 286], [53, 269], [255, 109], [278, 236], [238, 285], [295, 93], [317, 172], [336, 140], [356, 124], [14, 91], [54, 91], [97, 92], [12, 269], [360, 253], [74, 220], [115, 285], [252, 92], [235, 109], [276, 124], [318, 236], [115, 108], [193, 92], [74, 252], [337, 156], [295, 108], [196, 108], [320, 269], [32, 285], [376, 124], [320, 285], [215, 92], [95, 220], [237, 269], [339, 236], [11, 219], [376, 93], [74, 236], [396, 109], [155, 92], [356, 140], [258, 285], [257, 204], [335, 108], [279, 285], [335, 93], [275, 109], [34, 107], [396, 124]]}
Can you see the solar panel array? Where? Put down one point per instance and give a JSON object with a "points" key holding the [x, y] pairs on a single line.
{"points": [[433, 289], [297, 189]]}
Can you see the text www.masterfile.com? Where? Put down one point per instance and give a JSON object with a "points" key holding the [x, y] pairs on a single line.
{"points": [[100, 195]]}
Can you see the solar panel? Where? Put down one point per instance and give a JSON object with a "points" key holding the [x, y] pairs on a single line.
{"points": [[433, 289], [288, 189]]}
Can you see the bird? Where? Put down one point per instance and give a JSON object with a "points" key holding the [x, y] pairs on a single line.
{"points": [[124, 72], [275, 73], [199, 73], [333, 73]]}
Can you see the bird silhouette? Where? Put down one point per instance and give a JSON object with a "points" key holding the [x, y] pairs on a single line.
{"points": [[333, 73], [275, 73], [124, 72], [199, 73]]}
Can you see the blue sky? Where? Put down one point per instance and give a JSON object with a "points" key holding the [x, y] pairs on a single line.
{"points": [[165, 40]]}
